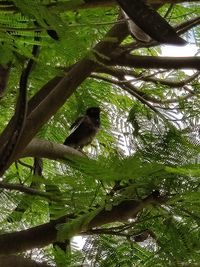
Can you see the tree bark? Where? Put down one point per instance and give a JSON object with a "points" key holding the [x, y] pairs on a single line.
{"points": [[19, 261], [46, 149], [150, 62]]}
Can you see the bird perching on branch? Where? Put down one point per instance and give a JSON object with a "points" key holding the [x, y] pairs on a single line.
{"points": [[145, 23], [84, 129]]}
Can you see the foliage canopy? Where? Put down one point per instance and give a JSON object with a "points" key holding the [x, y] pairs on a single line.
{"points": [[134, 195]]}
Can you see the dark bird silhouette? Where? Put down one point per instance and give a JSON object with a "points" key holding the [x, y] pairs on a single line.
{"points": [[145, 23], [84, 129]]}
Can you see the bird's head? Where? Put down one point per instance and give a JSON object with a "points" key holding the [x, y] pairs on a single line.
{"points": [[93, 111]]}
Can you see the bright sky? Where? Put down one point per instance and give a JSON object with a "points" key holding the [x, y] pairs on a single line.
{"points": [[179, 51]]}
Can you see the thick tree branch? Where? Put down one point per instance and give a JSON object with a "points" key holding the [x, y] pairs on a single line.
{"points": [[46, 149], [19, 261], [45, 234], [133, 61], [67, 86], [8, 150], [32, 104], [151, 23]]}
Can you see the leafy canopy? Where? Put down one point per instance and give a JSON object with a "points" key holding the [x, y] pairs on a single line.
{"points": [[148, 143]]}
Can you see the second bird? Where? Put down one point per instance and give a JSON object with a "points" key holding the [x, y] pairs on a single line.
{"points": [[84, 129]]}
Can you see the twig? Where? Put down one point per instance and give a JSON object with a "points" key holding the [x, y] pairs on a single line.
{"points": [[25, 189]]}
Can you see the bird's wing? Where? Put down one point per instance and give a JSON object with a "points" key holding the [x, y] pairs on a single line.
{"points": [[72, 137], [76, 123], [82, 134], [147, 19]]}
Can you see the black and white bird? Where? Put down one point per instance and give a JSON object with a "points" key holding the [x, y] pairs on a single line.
{"points": [[84, 129]]}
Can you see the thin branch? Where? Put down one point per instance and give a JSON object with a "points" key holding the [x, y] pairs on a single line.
{"points": [[187, 25], [24, 189], [133, 91], [106, 232], [147, 78], [137, 237], [172, 84], [25, 165]]}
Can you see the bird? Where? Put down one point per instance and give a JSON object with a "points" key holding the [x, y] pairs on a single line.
{"points": [[84, 129]]}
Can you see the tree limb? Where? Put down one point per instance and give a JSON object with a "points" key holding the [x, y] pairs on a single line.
{"points": [[45, 234], [24, 189], [32, 104], [19, 261], [133, 61], [119, 72], [46, 149], [8, 150], [142, 96]]}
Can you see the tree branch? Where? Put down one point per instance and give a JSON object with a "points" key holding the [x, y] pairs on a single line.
{"points": [[24, 189], [147, 78], [19, 261], [32, 104], [171, 84], [187, 25], [8, 150], [45, 234], [46, 149], [133, 61], [142, 96]]}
